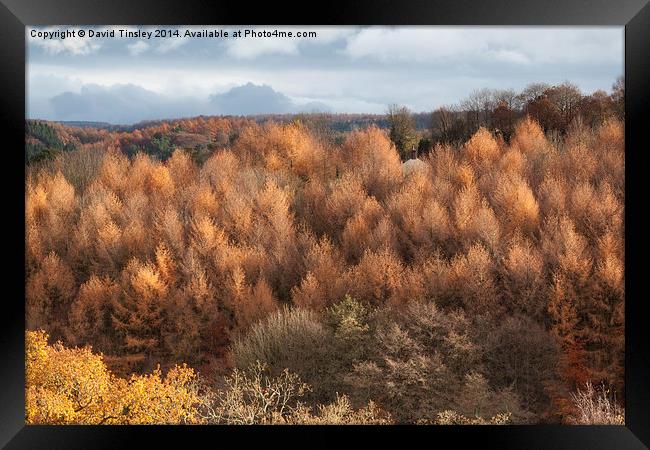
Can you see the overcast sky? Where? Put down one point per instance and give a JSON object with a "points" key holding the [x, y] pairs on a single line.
{"points": [[343, 69]]}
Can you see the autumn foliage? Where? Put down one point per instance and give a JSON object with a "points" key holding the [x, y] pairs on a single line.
{"points": [[486, 285], [73, 386]]}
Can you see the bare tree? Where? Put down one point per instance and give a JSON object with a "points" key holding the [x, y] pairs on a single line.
{"points": [[618, 96], [596, 407], [531, 92], [566, 97], [508, 96]]}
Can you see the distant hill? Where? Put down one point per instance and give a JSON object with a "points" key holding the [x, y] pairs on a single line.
{"points": [[87, 124], [337, 121], [44, 139], [201, 134]]}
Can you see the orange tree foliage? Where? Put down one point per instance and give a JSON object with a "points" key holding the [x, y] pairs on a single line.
{"points": [[159, 262]]}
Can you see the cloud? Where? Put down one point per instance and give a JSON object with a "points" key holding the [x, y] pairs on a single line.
{"points": [[513, 45], [120, 103], [509, 56], [46, 83], [169, 44], [249, 48], [347, 69], [251, 99], [253, 47], [409, 44], [137, 47], [255, 99], [129, 103], [312, 107], [72, 45]]}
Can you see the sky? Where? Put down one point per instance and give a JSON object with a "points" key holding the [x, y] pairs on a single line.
{"points": [[124, 80]]}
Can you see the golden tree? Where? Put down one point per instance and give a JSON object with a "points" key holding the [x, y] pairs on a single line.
{"points": [[73, 386]]}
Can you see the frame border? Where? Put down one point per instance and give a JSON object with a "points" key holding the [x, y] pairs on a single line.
{"points": [[633, 14]]}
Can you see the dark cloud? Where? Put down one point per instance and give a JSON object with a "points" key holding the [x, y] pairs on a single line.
{"points": [[313, 107], [129, 103], [252, 99], [122, 103]]}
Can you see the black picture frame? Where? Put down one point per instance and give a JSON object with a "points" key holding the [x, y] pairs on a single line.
{"points": [[634, 15]]}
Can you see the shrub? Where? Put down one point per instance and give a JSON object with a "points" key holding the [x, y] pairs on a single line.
{"points": [[287, 339], [595, 407], [449, 417], [255, 397]]}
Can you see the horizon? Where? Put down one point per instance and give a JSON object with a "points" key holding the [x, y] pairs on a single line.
{"points": [[253, 116]]}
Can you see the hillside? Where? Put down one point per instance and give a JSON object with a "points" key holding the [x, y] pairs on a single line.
{"points": [[487, 286]]}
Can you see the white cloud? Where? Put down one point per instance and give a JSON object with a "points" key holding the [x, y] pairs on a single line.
{"points": [[73, 45], [170, 44], [509, 56], [410, 44], [253, 47], [248, 48], [327, 35], [138, 47], [515, 45]]}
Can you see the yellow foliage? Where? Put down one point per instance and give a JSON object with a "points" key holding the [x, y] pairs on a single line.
{"points": [[73, 386], [449, 417]]}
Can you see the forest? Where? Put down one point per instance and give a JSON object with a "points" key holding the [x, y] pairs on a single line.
{"points": [[464, 266]]}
